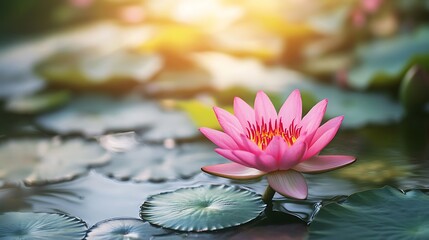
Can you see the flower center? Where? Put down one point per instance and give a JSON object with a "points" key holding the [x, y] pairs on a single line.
{"points": [[263, 133]]}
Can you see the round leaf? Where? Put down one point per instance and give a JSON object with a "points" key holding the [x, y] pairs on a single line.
{"points": [[203, 208], [94, 115], [385, 213], [37, 161], [384, 61], [40, 226], [123, 228], [37, 103], [158, 163], [86, 68]]}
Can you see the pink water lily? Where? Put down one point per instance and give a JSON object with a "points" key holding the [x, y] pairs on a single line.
{"points": [[281, 145]]}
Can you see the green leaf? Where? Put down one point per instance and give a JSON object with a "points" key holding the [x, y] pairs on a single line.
{"points": [[123, 228], [40, 226], [359, 108], [95, 68], [37, 103], [93, 115], [385, 213], [158, 163], [384, 62], [203, 208], [39, 161]]}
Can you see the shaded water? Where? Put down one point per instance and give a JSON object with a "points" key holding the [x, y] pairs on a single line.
{"points": [[396, 155]]}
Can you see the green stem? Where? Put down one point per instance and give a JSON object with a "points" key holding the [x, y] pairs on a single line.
{"points": [[268, 195]]}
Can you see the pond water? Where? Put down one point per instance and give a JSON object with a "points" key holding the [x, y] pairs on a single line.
{"points": [[395, 155]]}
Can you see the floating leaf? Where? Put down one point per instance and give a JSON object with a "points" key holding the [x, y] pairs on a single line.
{"points": [[37, 161], [173, 125], [203, 208], [158, 163], [384, 62], [228, 71], [358, 108], [40, 226], [37, 103], [123, 228], [380, 213], [119, 142], [249, 40], [18, 84], [86, 68], [95, 115], [181, 82]]}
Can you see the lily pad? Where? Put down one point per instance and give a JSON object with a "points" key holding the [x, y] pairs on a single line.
{"points": [[172, 125], [203, 208], [158, 163], [37, 103], [384, 62], [228, 71], [95, 115], [119, 142], [92, 68], [18, 84], [40, 226], [380, 213], [358, 108], [38, 161], [123, 228], [179, 82]]}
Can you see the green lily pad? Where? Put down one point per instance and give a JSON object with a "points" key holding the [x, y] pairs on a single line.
{"points": [[95, 115], [37, 103], [385, 61], [123, 228], [385, 213], [203, 208], [358, 108], [172, 125], [40, 226], [92, 68], [228, 71], [38, 161], [158, 163], [178, 82], [18, 84]]}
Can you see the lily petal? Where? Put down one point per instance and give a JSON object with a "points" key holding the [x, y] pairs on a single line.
{"points": [[318, 164], [264, 108], [263, 162], [324, 136], [288, 183], [314, 117], [293, 155], [219, 138], [276, 148], [291, 109], [226, 153], [233, 171], [229, 124], [244, 113], [250, 146]]}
